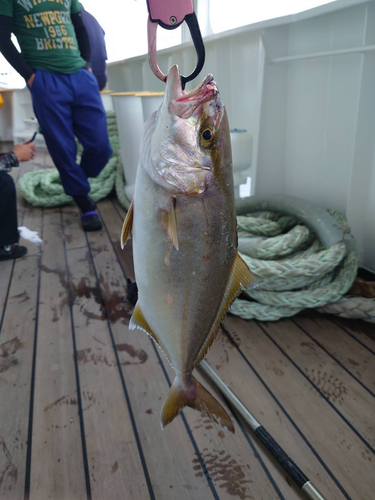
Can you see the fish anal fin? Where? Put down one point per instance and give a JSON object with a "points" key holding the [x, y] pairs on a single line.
{"points": [[240, 277], [128, 225], [138, 321], [198, 398]]}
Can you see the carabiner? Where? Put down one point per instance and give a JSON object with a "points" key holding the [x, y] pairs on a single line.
{"points": [[170, 15]]}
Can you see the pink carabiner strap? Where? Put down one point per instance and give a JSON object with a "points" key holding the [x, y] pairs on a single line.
{"points": [[169, 12], [152, 59]]}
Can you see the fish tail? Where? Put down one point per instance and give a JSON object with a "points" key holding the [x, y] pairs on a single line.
{"points": [[197, 397]]}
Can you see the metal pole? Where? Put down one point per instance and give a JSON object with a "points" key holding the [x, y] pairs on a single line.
{"points": [[287, 463]]}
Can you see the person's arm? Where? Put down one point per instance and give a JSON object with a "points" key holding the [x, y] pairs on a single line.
{"points": [[82, 38], [7, 161], [21, 152], [9, 51]]}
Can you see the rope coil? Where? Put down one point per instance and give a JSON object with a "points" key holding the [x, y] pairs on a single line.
{"points": [[302, 274]]}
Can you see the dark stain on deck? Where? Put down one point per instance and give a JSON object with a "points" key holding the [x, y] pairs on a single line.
{"points": [[10, 472], [7, 354], [226, 472], [87, 397], [133, 352], [89, 355], [24, 296], [8, 363], [10, 347]]}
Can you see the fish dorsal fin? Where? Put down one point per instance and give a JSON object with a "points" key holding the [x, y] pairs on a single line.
{"points": [[128, 225], [139, 321], [172, 224], [240, 277]]}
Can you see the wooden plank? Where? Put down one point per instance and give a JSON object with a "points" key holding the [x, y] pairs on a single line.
{"points": [[360, 330], [344, 393], [229, 460], [352, 355], [145, 382], [16, 353], [113, 221], [344, 453], [231, 366], [5, 275], [74, 234], [118, 207], [114, 462], [57, 468]]}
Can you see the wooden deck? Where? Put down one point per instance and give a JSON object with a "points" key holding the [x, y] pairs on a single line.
{"points": [[80, 394]]}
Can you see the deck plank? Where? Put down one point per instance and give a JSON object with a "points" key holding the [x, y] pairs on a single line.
{"points": [[344, 453], [73, 232], [114, 463], [6, 269], [341, 390], [354, 357], [113, 219], [16, 353], [232, 368], [362, 331], [57, 469]]}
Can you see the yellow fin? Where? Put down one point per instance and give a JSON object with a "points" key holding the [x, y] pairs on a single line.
{"points": [[197, 397], [172, 224], [240, 277], [128, 225], [139, 321]]}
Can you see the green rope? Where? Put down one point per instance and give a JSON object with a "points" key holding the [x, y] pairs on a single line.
{"points": [[300, 276], [42, 188]]}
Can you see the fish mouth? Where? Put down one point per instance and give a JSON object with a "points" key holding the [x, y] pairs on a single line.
{"points": [[185, 104]]}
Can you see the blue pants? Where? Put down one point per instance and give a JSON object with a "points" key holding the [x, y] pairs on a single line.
{"points": [[67, 106]]}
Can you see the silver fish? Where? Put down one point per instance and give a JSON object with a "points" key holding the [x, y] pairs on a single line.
{"points": [[184, 228]]}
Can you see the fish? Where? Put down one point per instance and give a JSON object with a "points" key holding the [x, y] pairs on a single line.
{"points": [[184, 234]]}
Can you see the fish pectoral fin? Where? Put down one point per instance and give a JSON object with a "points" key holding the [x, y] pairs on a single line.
{"points": [[138, 321], [198, 398], [172, 224], [240, 277], [127, 227]]}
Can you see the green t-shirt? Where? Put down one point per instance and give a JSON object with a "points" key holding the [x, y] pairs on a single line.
{"points": [[45, 33]]}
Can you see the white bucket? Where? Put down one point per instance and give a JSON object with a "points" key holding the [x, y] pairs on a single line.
{"points": [[242, 146], [107, 100], [132, 110]]}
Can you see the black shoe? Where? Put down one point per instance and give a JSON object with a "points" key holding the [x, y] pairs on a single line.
{"points": [[90, 221], [12, 252], [89, 215]]}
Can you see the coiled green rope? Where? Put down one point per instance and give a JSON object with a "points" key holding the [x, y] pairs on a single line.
{"points": [[292, 269], [42, 188]]}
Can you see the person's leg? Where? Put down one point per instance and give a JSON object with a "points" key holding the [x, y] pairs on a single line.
{"points": [[90, 123], [53, 98], [102, 80], [9, 236]]}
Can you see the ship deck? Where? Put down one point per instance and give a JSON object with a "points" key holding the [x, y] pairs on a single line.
{"points": [[80, 394]]}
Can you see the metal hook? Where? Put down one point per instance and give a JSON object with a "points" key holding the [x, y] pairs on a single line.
{"points": [[192, 22]]}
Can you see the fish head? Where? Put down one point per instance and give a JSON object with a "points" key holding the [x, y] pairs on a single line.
{"points": [[191, 141]]}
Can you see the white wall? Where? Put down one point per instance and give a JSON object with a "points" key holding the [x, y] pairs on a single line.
{"points": [[312, 119]]}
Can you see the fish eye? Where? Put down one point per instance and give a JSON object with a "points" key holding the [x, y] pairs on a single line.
{"points": [[207, 136]]}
